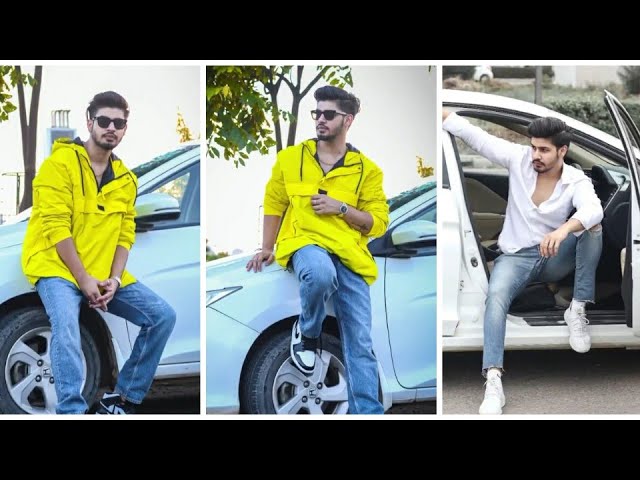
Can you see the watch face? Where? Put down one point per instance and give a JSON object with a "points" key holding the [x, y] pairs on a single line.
{"points": [[343, 209]]}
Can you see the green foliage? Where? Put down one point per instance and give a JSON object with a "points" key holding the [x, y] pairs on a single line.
{"points": [[9, 78], [463, 71], [243, 114], [520, 72], [592, 111], [236, 112], [630, 77], [215, 256]]}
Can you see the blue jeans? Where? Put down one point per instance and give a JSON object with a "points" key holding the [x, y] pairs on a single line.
{"points": [[135, 303], [513, 272], [322, 276]]}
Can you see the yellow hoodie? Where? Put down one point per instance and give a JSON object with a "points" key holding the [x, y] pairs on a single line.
{"points": [[67, 203], [296, 176]]}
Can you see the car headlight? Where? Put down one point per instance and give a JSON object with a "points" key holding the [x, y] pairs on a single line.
{"points": [[215, 295]]}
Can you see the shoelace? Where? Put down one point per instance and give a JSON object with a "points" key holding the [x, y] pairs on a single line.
{"points": [[311, 343], [580, 322], [493, 387]]}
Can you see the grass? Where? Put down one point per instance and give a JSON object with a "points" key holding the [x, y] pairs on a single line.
{"points": [[550, 91]]}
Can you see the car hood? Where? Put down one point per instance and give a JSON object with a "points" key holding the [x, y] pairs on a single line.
{"points": [[12, 234], [231, 271]]}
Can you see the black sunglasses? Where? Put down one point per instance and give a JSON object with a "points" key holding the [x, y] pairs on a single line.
{"points": [[104, 122], [328, 114]]}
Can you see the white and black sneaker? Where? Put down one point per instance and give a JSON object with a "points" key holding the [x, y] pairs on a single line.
{"points": [[112, 404], [303, 350]]}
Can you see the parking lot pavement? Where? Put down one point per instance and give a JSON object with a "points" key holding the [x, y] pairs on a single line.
{"points": [[424, 408], [171, 397], [602, 381]]}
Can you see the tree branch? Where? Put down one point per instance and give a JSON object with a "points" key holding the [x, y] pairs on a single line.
{"points": [[314, 81]]}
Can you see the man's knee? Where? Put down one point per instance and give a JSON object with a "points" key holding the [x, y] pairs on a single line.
{"points": [[319, 277], [168, 318]]}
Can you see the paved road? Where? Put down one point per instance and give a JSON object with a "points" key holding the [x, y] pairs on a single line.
{"points": [[550, 382], [425, 408], [167, 397]]}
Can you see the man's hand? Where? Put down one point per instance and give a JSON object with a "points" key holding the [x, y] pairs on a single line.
{"points": [[263, 255], [551, 242], [325, 205], [90, 287], [445, 114], [109, 288]]}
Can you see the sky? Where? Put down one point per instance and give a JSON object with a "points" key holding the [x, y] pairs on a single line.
{"points": [[155, 95], [397, 122]]}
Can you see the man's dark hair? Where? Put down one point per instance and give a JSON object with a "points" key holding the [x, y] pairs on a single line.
{"points": [[552, 128], [107, 100], [347, 102]]}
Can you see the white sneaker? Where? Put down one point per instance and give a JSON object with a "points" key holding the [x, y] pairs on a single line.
{"points": [[576, 319], [494, 398]]}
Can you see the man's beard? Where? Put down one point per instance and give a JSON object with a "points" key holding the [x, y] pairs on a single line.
{"points": [[103, 144], [327, 137]]}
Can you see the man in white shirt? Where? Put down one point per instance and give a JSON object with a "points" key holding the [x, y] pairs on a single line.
{"points": [[539, 241]]}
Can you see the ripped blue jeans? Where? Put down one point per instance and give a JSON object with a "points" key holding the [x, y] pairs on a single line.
{"points": [[514, 271]]}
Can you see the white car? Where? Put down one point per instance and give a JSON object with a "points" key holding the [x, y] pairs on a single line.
{"points": [[482, 73], [472, 201], [249, 318], [166, 257]]}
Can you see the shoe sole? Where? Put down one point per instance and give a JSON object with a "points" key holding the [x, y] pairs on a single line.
{"points": [[480, 412]]}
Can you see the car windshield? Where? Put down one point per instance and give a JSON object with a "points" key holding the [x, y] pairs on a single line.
{"points": [[405, 197], [146, 167]]}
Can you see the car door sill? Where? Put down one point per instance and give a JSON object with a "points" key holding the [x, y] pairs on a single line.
{"points": [[556, 317]]}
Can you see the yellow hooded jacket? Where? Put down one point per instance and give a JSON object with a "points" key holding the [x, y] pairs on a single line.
{"points": [[297, 176], [67, 203]]}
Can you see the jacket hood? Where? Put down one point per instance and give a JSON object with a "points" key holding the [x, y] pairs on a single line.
{"points": [[312, 146], [77, 145]]}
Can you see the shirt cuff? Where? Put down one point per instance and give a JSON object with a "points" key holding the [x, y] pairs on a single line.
{"points": [[124, 244], [59, 234], [270, 210], [585, 219]]}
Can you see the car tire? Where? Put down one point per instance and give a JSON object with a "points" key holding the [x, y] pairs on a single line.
{"points": [[31, 327], [263, 390], [484, 78]]}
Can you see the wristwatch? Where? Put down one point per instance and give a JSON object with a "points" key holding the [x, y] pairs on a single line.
{"points": [[117, 279], [344, 208]]}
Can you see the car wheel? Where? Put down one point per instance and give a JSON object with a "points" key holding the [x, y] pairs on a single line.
{"points": [[273, 384], [484, 78], [26, 381]]}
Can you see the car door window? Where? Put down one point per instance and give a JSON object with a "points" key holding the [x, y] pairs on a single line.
{"points": [[429, 214], [184, 186]]}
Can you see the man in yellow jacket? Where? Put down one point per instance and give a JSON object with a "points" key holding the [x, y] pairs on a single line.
{"points": [[326, 199], [76, 247]]}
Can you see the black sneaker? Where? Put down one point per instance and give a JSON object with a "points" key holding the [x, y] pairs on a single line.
{"points": [[112, 404], [303, 350]]}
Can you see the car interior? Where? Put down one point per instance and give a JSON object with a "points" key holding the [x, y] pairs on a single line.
{"points": [[487, 191]]}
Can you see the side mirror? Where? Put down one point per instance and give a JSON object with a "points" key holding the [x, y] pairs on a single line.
{"points": [[413, 232], [155, 207]]}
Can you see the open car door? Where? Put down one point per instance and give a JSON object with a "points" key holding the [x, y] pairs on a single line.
{"points": [[630, 137]]}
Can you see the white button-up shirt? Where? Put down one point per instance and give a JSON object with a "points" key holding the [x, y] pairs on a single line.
{"points": [[526, 224]]}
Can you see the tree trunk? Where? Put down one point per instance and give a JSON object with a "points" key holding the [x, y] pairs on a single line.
{"points": [[29, 137], [295, 106]]}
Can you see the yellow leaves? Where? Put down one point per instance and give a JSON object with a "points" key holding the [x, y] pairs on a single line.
{"points": [[423, 170], [226, 91], [183, 130]]}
